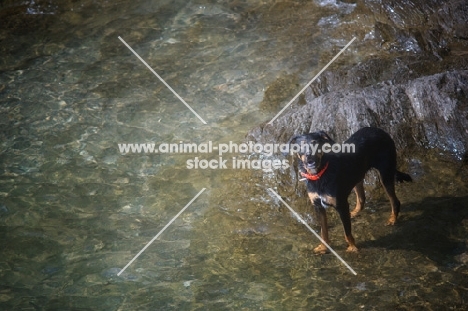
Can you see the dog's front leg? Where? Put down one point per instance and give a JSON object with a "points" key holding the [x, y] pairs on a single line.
{"points": [[342, 206], [322, 215]]}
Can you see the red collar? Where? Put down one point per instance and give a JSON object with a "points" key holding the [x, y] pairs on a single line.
{"points": [[316, 176]]}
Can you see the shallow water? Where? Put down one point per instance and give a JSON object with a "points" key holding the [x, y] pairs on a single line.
{"points": [[74, 210]]}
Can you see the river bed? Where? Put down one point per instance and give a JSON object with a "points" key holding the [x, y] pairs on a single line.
{"points": [[74, 210]]}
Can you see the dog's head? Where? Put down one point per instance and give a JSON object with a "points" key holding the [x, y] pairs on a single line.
{"points": [[308, 148]]}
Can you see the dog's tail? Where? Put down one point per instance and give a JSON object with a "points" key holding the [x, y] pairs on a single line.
{"points": [[401, 177]]}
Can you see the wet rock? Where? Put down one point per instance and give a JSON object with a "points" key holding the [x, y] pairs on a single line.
{"points": [[415, 89], [428, 112], [417, 25], [462, 258]]}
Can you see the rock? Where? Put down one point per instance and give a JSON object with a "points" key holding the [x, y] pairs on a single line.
{"points": [[428, 112], [415, 88]]}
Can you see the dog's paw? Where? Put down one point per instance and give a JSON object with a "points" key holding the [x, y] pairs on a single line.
{"points": [[391, 221], [321, 249], [352, 249]]}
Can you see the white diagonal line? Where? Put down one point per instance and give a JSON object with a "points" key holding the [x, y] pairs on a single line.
{"points": [[167, 85], [159, 233], [316, 76], [315, 233]]}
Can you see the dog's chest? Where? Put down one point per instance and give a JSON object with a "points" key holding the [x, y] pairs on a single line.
{"points": [[321, 196], [327, 201]]}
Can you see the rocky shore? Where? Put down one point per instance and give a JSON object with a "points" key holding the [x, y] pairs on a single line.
{"points": [[415, 85], [427, 112]]}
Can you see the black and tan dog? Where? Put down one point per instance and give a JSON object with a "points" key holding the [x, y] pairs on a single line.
{"points": [[332, 176]]}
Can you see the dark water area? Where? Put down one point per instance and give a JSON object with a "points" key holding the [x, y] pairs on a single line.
{"points": [[74, 210]]}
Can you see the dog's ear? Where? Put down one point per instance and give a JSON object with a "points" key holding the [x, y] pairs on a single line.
{"points": [[291, 141], [325, 136]]}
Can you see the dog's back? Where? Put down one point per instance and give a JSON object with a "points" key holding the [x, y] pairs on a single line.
{"points": [[373, 143], [379, 152]]}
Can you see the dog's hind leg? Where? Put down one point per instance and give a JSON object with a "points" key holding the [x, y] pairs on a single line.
{"points": [[388, 182], [360, 198]]}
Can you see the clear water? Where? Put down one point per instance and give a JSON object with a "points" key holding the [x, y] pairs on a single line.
{"points": [[74, 211]]}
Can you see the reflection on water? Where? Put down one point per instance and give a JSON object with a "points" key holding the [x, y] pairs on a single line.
{"points": [[74, 211]]}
